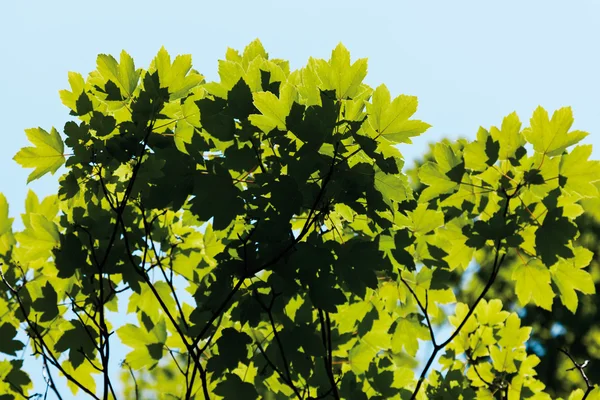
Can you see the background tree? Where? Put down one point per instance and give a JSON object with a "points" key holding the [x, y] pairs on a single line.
{"points": [[264, 235], [555, 330]]}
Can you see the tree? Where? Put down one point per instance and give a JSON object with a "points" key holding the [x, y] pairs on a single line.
{"points": [[262, 232], [553, 330]]}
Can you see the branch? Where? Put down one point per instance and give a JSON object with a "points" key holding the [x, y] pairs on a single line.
{"points": [[50, 357], [309, 221], [50, 380], [580, 368], [326, 335], [269, 312], [423, 309], [496, 267], [137, 395]]}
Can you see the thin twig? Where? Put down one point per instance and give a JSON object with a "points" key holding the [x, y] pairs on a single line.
{"points": [[580, 368]]}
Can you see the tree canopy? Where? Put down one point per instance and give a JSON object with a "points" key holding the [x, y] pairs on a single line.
{"points": [[263, 234]]}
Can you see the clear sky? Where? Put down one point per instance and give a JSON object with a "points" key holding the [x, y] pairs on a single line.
{"points": [[469, 62]]}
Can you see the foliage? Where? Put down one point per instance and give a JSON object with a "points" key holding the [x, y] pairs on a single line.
{"points": [[575, 328], [264, 236]]}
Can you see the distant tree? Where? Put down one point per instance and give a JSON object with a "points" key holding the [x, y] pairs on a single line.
{"points": [[262, 232]]}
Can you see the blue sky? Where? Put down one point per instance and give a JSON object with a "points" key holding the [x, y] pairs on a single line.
{"points": [[469, 62]]}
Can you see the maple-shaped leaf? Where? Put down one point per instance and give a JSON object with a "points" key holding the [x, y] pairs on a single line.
{"points": [[568, 275], [70, 98], [551, 136], [580, 173], [490, 313], [553, 237], [339, 74], [512, 335], [232, 387], [233, 349], [391, 118], [503, 359], [360, 356], [80, 341], [459, 255], [442, 176], [8, 344], [14, 382], [84, 374], [482, 374], [46, 156], [533, 283], [47, 304], [274, 110], [407, 335], [482, 153], [39, 238], [509, 136], [122, 74], [422, 220], [5, 221], [178, 77], [148, 345]]}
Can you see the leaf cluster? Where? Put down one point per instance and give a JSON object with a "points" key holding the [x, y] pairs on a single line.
{"points": [[267, 243]]}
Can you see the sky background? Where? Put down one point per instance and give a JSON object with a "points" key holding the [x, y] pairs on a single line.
{"points": [[469, 62]]}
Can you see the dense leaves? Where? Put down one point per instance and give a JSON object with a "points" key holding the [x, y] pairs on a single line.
{"points": [[267, 243]]}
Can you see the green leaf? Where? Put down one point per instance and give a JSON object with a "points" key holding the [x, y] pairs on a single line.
{"points": [[70, 98], [423, 220], [122, 74], [512, 335], [40, 237], [568, 275], [232, 387], [103, 124], [553, 237], [482, 153], [46, 156], [8, 344], [240, 99], [5, 221], [147, 346], [361, 356], [391, 118], [83, 105], [274, 110], [209, 187], [340, 75], [509, 136], [503, 359], [80, 341], [406, 336], [178, 78], [551, 136], [326, 297], [392, 187], [580, 173], [233, 349], [47, 304], [533, 283], [443, 176]]}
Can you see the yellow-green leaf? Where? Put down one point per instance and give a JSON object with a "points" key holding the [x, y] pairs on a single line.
{"points": [[569, 276], [339, 74], [551, 136], [46, 156], [533, 283], [580, 173], [122, 74], [391, 118]]}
